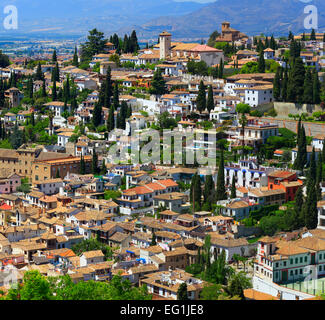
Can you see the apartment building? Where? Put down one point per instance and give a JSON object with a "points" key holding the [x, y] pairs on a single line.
{"points": [[282, 261], [48, 169]]}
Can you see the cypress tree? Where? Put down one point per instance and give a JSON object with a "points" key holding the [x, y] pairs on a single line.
{"points": [[209, 191], [261, 63], [108, 89], [111, 120], [94, 163], [97, 115], [319, 176], [196, 188], [301, 159], [201, 98], [54, 94], [116, 102], [30, 88], [316, 88], [323, 151], [129, 112], [153, 239], [310, 208], [44, 94], [2, 94], [233, 188], [298, 78], [221, 189], [75, 60], [308, 88], [210, 101], [277, 85], [284, 89], [298, 207], [273, 44], [39, 74], [54, 58], [82, 165], [134, 42], [312, 166], [221, 67], [182, 292]]}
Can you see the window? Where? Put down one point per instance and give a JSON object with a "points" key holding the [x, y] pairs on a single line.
{"points": [[291, 272]]}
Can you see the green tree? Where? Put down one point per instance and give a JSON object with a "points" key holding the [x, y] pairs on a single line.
{"points": [[54, 57], [94, 163], [158, 84], [196, 191], [97, 115], [201, 98], [182, 292], [316, 88], [210, 101], [153, 239], [95, 44], [308, 87], [221, 189], [110, 120], [233, 194], [261, 63], [75, 61], [209, 192], [277, 85], [39, 74]]}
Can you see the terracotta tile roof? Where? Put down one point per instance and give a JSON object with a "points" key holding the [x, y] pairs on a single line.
{"points": [[93, 254]]}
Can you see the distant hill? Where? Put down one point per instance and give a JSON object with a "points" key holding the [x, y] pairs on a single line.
{"points": [[186, 20], [79, 16], [249, 16]]}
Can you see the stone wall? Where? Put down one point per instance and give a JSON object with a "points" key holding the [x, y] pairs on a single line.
{"points": [[283, 109]]}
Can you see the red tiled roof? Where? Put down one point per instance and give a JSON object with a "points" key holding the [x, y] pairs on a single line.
{"points": [[5, 207]]}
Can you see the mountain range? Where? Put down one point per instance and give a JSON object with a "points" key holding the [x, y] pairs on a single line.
{"points": [[185, 20]]}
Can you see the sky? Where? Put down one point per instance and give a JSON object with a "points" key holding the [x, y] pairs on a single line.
{"points": [[199, 1]]}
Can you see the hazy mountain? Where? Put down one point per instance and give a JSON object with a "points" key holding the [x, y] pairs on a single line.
{"points": [[249, 16], [79, 16], [186, 20]]}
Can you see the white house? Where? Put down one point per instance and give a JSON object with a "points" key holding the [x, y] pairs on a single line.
{"points": [[318, 141], [57, 107], [259, 95], [90, 257], [269, 54]]}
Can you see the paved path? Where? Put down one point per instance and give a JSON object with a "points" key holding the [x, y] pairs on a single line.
{"points": [[311, 128]]}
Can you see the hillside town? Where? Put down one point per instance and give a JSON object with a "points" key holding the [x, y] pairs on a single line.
{"points": [[185, 171]]}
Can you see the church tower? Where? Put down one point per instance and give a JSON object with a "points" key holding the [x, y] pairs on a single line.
{"points": [[165, 44]]}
